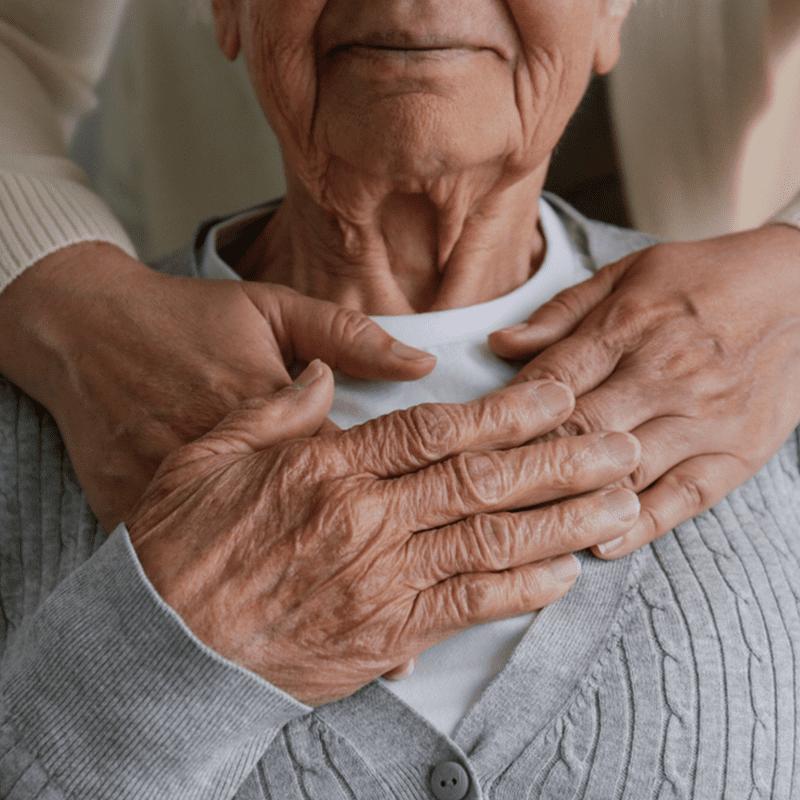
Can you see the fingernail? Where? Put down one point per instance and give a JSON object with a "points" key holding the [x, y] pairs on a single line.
{"points": [[566, 569], [610, 547], [409, 353], [311, 374], [556, 397], [622, 447], [515, 328], [622, 504]]}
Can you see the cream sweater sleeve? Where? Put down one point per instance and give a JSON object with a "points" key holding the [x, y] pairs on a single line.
{"points": [[706, 115], [786, 36], [52, 54]]}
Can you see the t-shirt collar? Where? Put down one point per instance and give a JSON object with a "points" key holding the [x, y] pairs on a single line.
{"points": [[435, 327]]}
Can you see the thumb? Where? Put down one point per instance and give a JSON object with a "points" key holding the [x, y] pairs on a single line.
{"points": [[557, 318], [346, 339], [293, 412]]}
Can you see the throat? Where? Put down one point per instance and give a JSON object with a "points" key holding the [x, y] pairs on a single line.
{"points": [[404, 254]]}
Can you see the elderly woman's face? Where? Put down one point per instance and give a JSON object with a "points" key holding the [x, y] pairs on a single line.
{"points": [[418, 89]]}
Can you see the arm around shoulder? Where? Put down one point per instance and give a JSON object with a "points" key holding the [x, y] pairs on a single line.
{"points": [[50, 63]]}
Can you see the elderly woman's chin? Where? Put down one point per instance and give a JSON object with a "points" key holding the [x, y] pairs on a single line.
{"points": [[416, 118]]}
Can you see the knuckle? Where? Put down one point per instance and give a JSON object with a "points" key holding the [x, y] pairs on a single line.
{"points": [[552, 368], [309, 462], [506, 415], [431, 429], [584, 420], [561, 465], [347, 324], [342, 510], [469, 599], [694, 491], [705, 356], [566, 525], [565, 304], [567, 363], [494, 540], [627, 318], [480, 477]]}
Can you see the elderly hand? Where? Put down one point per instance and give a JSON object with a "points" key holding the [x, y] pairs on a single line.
{"points": [[132, 364], [693, 347], [322, 563]]}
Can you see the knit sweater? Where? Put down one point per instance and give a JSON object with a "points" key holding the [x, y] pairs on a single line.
{"points": [[672, 673], [704, 107]]}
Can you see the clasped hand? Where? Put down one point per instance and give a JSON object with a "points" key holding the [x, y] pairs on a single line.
{"points": [[693, 347], [322, 562]]}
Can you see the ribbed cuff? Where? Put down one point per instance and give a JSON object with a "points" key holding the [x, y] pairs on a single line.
{"points": [[118, 699], [39, 216], [790, 215]]}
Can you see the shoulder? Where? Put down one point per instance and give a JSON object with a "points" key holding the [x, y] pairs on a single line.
{"points": [[597, 242], [186, 261]]}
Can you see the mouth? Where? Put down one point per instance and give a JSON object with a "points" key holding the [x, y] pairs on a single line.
{"points": [[406, 53], [398, 44]]}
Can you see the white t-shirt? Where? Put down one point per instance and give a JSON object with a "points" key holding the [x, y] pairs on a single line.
{"points": [[449, 677]]}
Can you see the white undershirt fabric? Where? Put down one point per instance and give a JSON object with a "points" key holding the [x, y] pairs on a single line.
{"points": [[449, 677]]}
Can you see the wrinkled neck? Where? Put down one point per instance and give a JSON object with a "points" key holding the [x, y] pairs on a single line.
{"points": [[389, 249]]}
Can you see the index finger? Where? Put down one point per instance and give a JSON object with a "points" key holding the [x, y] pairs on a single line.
{"points": [[557, 318], [409, 440], [582, 361], [474, 483], [562, 315]]}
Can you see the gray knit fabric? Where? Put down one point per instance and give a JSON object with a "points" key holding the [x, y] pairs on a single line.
{"points": [[670, 674]]}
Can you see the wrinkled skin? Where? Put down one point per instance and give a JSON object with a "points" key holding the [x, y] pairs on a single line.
{"points": [[132, 365], [691, 348], [174, 357], [322, 563], [412, 174], [415, 136]]}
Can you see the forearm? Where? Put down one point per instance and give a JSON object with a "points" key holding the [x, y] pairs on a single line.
{"points": [[50, 61], [43, 306], [117, 699]]}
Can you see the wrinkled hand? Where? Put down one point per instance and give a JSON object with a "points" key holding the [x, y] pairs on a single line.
{"points": [[322, 563], [695, 348], [132, 364]]}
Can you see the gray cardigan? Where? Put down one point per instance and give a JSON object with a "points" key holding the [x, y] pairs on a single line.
{"points": [[670, 674]]}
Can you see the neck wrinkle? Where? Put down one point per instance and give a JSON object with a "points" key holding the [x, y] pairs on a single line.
{"points": [[399, 252]]}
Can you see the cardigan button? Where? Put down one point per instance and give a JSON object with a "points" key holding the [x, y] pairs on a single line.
{"points": [[449, 781]]}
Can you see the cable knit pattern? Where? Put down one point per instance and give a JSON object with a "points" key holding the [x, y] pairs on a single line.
{"points": [[671, 675]]}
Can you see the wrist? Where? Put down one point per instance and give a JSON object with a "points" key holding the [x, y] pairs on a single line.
{"points": [[46, 309], [105, 653]]}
